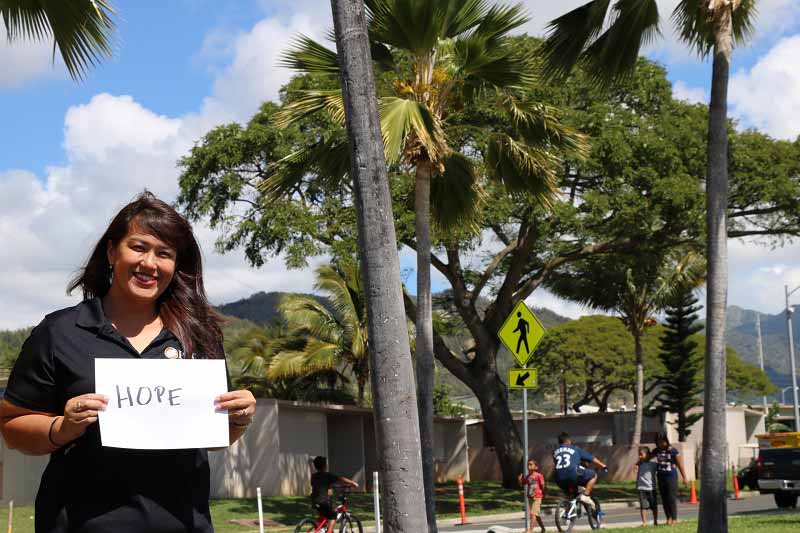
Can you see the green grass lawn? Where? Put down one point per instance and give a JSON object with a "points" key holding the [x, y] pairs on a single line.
{"points": [[774, 522], [481, 497]]}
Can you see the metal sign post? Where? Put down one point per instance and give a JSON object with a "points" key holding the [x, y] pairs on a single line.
{"points": [[525, 445]]}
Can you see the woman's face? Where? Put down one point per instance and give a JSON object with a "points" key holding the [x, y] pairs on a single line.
{"points": [[663, 445], [143, 266]]}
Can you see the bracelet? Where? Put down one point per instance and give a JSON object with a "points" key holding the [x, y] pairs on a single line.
{"points": [[50, 432]]}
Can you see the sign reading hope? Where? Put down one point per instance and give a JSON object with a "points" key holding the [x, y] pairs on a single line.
{"points": [[160, 404]]}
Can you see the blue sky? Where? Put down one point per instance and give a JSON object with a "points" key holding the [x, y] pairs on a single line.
{"points": [[72, 154]]}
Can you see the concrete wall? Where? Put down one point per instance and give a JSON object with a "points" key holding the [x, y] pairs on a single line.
{"points": [[237, 471], [346, 446], [20, 475], [450, 450], [742, 426]]}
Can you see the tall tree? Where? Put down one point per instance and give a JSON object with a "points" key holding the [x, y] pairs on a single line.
{"points": [[336, 339], [641, 184], [681, 382], [634, 287], [394, 398], [81, 29], [443, 55], [610, 51], [594, 358]]}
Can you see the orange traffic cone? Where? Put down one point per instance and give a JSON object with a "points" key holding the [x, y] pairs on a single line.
{"points": [[735, 487], [693, 497]]}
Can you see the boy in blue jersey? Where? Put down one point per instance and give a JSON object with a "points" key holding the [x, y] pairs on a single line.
{"points": [[568, 470]]}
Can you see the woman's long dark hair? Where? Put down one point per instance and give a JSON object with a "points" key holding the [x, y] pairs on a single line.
{"points": [[183, 307]]}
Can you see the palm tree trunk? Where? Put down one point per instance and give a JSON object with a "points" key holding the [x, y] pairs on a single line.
{"points": [[392, 373], [639, 417], [713, 508], [424, 339]]}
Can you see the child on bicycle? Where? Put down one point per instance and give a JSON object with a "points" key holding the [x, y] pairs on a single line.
{"points": [[646, 485], [534, 491], [569, 473], [322, 482]]}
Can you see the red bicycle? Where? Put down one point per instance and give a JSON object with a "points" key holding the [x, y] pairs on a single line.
{"points": [[348, 523]]}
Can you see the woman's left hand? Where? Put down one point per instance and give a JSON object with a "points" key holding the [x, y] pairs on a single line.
{"points": [[240, 404]]}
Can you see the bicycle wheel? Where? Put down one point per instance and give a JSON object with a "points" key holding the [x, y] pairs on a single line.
{"points": [[306, 525], [350, 524], [592, 514], [564, 522]]}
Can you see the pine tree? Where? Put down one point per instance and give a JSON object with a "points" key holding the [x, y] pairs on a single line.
{"points": [[681, 380]]}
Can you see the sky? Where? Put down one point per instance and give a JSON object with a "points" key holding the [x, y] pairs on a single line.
{"points": [[72, 154]]}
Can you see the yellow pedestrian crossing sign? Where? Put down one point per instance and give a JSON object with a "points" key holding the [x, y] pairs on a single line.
{"points": [[521, 333], [523, 378]]}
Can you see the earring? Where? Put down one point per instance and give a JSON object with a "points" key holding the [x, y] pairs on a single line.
{"points": [[110, 273]]}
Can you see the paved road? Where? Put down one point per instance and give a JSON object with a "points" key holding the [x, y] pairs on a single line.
{"points": [[624, 516]]}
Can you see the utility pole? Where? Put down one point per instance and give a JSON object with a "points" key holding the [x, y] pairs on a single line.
{"points": [[760, 354], [789, 313]]}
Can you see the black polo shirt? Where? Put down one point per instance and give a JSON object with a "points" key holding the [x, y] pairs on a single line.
{"points": [[86, 487]]}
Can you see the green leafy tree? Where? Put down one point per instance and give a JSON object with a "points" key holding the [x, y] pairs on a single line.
{"points": [[635, 287], [81, 30], [641, 184], [681, 381], [609, 51], [443, 405], [335, 339], [593, 358]]}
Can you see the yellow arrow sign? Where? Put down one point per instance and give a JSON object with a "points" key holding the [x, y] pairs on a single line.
{"points": [[521, 333], [523, 378]]}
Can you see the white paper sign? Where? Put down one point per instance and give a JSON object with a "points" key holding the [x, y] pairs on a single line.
{"points": [[161, 404]]}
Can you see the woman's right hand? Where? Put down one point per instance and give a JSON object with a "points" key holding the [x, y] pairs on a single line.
{"points": [[79, 413]]}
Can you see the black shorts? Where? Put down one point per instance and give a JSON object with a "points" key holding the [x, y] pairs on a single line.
{"points": [[647, 499], [325, 509], [584, 476]]}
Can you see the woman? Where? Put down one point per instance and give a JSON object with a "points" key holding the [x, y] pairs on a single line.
{"points": [[667, 459], [143, 298]]}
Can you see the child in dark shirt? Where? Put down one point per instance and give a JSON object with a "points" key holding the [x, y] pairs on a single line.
{"points": [[322, 482]]}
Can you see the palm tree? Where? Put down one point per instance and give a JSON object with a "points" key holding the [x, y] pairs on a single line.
{"points": [[610, 50], [395, 405], [250, 352], [440, 55], [635, 289], [80, 29], [335, 339]]}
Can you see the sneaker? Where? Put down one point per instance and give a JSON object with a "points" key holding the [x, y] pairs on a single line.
{"points": [[586, 500]]}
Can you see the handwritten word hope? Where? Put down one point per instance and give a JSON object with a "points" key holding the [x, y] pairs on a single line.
{"points": [[145, 395]]}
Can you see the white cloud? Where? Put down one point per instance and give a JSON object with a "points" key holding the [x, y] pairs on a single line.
{"points": [[24, 60], [768, 95], [115, 148], [693, 95]]}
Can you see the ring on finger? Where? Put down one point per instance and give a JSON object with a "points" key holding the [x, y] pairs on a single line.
{"points": [[243, 412], [78, 407]]}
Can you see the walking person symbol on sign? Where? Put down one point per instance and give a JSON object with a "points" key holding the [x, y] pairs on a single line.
{"points": [[523, 327]]}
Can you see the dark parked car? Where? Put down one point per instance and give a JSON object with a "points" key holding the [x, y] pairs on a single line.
{"points": [[748, 476]]}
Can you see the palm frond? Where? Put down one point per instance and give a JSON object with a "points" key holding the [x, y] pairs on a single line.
{"points": [[341, 284], [318, 357], [499, 66], [456, 194], [401, 118], [570, 34], [418, 25], [614, 53], [328, 160], [311, 102], [539, 125], [82, 30], [308, 56], [695, 23], [523, 169]]}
